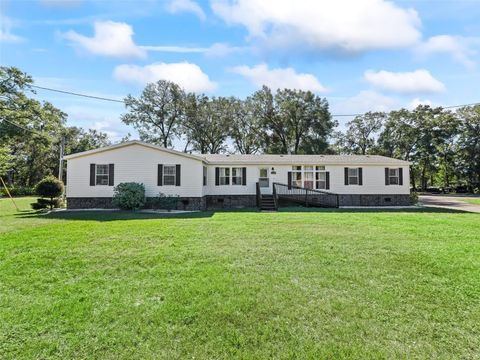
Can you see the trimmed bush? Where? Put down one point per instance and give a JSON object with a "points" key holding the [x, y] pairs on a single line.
{"points": [[38, 205], [129, 196], [50, 189], [163, 201]]}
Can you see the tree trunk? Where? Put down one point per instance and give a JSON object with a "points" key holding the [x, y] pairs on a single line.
{"points": [[424, 177]]}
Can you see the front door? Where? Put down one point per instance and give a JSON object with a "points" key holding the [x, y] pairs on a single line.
{"points": [[264, 180]]}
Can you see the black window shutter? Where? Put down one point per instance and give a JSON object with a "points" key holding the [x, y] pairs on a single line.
{"points": [[289, 180], [244, 176], [217, 176], [387, 180], [111, 174], [360, 176], [92, 174], [400, 176], [346, 176], [327, 180], [178, 174], [160, 175]]}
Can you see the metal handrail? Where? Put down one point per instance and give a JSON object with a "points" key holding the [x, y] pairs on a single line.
{"points": [[259, 195], [302, 188], [274, 193], [306, 196]]}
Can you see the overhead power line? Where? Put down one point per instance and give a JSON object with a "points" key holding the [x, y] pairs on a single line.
{"points": [[77, 94], [121, 101], [23, 127]]}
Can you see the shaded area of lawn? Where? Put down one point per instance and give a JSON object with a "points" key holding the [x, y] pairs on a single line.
{"points": [[301, 283]]}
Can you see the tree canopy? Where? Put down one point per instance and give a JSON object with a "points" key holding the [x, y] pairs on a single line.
{"points": [[442, 145]]}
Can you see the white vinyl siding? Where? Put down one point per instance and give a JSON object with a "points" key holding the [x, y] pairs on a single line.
{"points": [[134, 163], [137, 163]]}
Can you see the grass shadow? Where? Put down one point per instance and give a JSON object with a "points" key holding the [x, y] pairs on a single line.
{"points": [[372, 210], [113, 215], [128, 215]]}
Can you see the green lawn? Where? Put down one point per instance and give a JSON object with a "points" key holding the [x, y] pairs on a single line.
{"points": [[472, 201], [293, 284]]}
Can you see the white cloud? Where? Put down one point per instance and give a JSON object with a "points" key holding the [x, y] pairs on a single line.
{"points": [[365, 101], [178, 6], [344, 25], [416, 102], [6, 35], [279, 78], [60, 3], [174, 49], [222, 49], [459, 48], [101, 117], [418, 81], [215, 50], [187, 75], [110, 39]]}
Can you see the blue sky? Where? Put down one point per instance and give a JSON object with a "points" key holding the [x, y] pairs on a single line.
{"points": [[360, 54]]}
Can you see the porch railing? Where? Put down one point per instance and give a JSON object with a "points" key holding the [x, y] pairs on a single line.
{"points": [[305, 196], [259, 195]]}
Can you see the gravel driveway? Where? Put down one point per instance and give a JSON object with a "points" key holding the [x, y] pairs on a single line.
{"points": [[448, 202]]}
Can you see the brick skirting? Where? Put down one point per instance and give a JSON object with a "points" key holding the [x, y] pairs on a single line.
{"points": [[374, 200], [183, 203], [214, 202]]}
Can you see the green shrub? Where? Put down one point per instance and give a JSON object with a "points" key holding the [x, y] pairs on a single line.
{"points": [[50, 188], [38, 205], [413, 198], [18, 191], [163, 201], [129, 196]]}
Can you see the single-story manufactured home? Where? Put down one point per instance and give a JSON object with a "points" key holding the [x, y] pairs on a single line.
{"points": [[211, 181]]}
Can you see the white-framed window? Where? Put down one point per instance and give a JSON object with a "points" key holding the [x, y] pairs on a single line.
{"points": [[321, 180], [263, 179], [101, 174], [237, 174], [308, 177], [204, 176], [297, 175], [224, 176], [393, 176], [169, 174], [353, 176]]}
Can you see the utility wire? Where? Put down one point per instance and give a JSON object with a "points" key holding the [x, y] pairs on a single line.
{"points": [[77, 94], [121, 101], [23, 127]]}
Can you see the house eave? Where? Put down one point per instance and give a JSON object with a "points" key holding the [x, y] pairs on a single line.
{"points": [[130, 143]]}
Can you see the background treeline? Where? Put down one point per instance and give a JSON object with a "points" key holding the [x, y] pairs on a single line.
{"points": [[31, 133], [443, 145]]}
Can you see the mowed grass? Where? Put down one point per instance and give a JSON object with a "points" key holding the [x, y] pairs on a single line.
{"points": [[292, 284], [472, 201]]}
